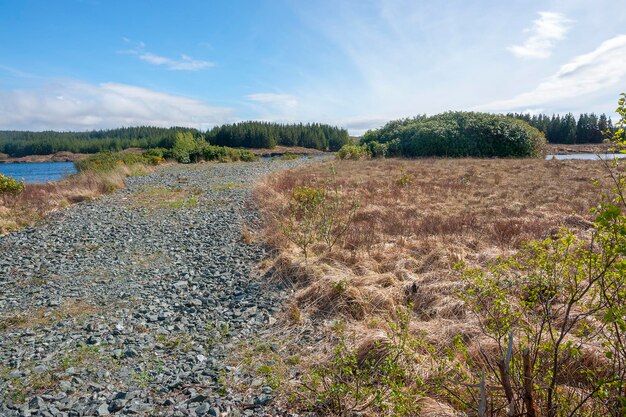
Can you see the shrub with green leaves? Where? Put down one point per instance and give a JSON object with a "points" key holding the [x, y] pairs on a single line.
{"points": [[353, 152], [379, 380], [107, 161], [318, 214], [10, 186], [226, 154], [459, 134]]}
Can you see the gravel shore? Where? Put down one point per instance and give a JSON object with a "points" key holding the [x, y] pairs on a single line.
{"points": [[131, 303]]}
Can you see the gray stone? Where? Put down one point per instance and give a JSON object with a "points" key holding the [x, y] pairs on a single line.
{"points": [[36, 403], [203, 409], [40, 369], [103, 410]]}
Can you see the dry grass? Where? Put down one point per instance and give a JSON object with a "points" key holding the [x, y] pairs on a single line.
{"points": [[166, 197], [38, 200], [45, 316], [452, 210], [416, 220]]}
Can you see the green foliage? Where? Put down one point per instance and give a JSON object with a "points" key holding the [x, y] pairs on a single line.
{"points": [[107, 161], [377, 150], [459, 134], [405, 180], [289, 156], [185, 148], [318, 215], [225, 154], [381, 380], [10, 186], [542, 302], [353, 152], [268, 135], [20, 143], [552, 307], [565, 129]]}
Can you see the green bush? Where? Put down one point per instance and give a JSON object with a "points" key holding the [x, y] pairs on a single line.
{"points": [[226, 154], [353, 152], [458, 134], [319, 214], [377, 149], [107, 161], [289, 156], [10, 186]]}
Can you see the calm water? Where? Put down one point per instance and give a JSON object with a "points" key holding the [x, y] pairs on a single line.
{"points": [[591, 156], [38, 171]]}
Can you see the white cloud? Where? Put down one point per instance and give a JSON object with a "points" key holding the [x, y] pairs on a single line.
{"points": [[74, 105], [284, 101], [585, 74], [549, 28], [184, 63]]}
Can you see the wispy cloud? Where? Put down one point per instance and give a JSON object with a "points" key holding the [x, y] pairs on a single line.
{"points": [[549, 28], [585, 74], [75, 105], [184, 63], [283, 101]]}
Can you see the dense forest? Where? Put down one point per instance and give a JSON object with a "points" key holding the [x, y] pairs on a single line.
{"points": [[589, 128], [268, 135], [245, 134], [21, 143], [452, 134]]}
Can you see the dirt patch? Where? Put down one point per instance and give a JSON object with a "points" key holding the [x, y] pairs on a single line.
{"points": [[57, 157]]}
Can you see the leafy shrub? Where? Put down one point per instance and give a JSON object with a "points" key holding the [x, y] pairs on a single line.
{"points": [[459, 134], [10, 186], [376, 149], [377, 377], [318, 214], [353, 152], [289, 156], [226, 154], [107, 161], [185, 148], [405, 180]]}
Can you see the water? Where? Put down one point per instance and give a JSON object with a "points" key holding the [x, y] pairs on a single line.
{"points": [[591, 156], [38, 171]]}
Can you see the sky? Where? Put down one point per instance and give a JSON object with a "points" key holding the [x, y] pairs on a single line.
{"points": [[93, 64]]}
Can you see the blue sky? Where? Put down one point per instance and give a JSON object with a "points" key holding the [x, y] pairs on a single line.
{"points": [[84, 64]]}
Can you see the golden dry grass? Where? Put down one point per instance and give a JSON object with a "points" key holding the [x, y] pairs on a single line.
{"points": [[45, 316], [416, 220], [166, 197], [405, 238], [38, 200]]}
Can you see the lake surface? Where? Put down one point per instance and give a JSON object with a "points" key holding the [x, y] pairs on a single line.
{"points": [[38, 171], [591, 156]]}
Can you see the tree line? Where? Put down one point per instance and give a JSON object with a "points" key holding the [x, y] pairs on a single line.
{"points": [[22, 143], [268, 135], [245, 134], [589, 128]]}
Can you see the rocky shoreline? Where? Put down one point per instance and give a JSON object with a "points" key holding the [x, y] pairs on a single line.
{"points": [[131, 304]]}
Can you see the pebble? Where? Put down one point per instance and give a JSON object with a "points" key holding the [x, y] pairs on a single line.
{"points": [[139, 303]]}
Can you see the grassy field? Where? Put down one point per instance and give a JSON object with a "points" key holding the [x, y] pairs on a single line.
{"points": [[415, 221]]}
